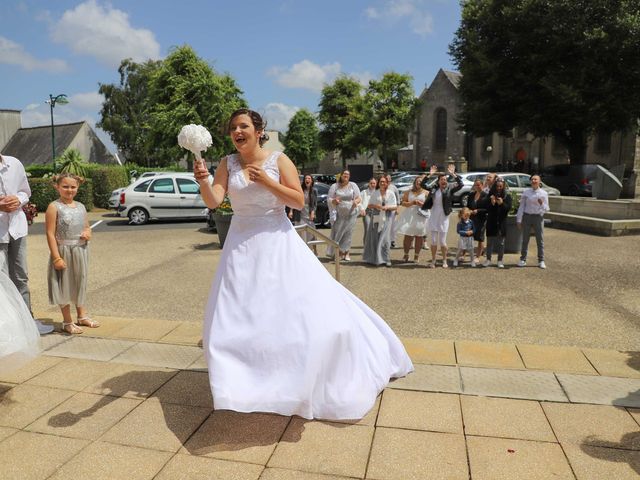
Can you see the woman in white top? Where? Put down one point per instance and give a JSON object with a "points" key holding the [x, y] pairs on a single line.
{"points": [[412, 222], [365, 196], [344, 197], [377, 248]]}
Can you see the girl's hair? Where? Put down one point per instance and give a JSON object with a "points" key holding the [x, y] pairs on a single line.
{"points": [[342, 174], [302, 184], [59, 176], [374, 179], [463, 211], [494, 188], [419, 188], [256, 119], [381, 177]]}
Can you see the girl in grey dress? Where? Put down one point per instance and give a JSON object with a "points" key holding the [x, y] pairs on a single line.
{"points": [[67, 235]]}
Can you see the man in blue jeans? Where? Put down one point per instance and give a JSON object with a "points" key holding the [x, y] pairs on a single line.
{"points": [[534, 203]]}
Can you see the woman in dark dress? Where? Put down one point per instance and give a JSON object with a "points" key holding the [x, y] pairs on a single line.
{"points": [[476, 203], [498, 204]]}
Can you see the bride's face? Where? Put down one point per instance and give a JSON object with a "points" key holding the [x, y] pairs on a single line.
{"points": [[243, 133]]}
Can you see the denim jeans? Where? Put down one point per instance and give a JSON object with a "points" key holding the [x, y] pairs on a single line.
{"points": [[537, 223], [13, 262], [496, 243]]}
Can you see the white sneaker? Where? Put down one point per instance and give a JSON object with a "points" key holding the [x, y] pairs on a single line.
{"points": [[542, 265], [455, 262], [473, 264], [500, 264], [487, 263], [522, 263]]}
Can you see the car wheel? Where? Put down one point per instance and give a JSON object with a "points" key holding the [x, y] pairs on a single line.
{"points": [[464, 200], [138, 216]]}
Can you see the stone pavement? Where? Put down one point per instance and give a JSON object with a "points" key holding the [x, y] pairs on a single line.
{"points": [[131, 400]]}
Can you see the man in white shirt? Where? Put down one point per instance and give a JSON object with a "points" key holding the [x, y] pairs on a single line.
{"points": [[394, 224], [534, 203], [14, 193]]}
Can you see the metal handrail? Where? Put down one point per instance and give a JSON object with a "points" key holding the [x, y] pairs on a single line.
{"points": [[323, 239]]}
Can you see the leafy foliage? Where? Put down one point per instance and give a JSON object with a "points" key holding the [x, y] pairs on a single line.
{"points": [[43, 193], [302, 142], [567, 68], [105, 179], [71, 161], [225, 207]]}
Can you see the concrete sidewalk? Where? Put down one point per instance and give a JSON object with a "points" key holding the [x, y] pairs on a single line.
{"points": [[131, 400]]}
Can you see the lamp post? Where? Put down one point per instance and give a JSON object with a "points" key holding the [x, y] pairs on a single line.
{"points": [[62, 100]]}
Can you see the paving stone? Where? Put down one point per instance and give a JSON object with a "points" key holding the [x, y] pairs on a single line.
{"points": [[90, 348], [556, 359], [505, 459], [84, 416], [242, 437], [187, 388], [31, 369], [108, 327], [157, 426], [158, 355], [131, 381], [424, 350], [6, 432], [71, 374], [186, 333], [506, 418], [635, 413], [200, 364], [483, 354], [33, 456], [598, 425], [512, 384], [436, 412], [413, 455], [613, 363], [146, 330], [601, 390], [187, 467], [23, 404], [324, 447], [52, 339], [281, 474], [597, 463], [430, 378], [369, 419], [106, 461]]}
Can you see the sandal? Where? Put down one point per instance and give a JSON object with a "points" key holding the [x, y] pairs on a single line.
{"points": [[415, 258], [432, 265], [71, 328], [87, 322], [445, 264], [405, 259]]}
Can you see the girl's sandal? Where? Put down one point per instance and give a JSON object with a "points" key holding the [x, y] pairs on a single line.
{"points": [[87, 322], [415, 258], [405, 259], [71, 328]]}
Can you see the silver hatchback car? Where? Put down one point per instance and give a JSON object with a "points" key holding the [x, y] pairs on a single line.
{"points": [[163, 196]]}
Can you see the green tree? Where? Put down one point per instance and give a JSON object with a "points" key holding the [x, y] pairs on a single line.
{"points": [[71, 161], [390, 106], [568, 68], [341, 115], [125, 109], [302, 142], [183, 90]]}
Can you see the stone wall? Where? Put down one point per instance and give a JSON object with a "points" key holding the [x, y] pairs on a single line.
{"points": [[10, 123]]}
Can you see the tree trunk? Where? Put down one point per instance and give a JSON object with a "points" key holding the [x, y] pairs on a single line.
{"points": [[577, 147]]}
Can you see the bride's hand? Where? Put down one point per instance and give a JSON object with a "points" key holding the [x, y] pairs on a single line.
{"points": [[256, 174], [200, 171]]}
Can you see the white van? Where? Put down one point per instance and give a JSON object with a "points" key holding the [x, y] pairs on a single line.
{"points": [[166, 195]]}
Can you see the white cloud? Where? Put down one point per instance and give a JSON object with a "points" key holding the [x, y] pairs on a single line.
{"points": [[363, 78], [81, 106], [13, 53], [413, 11], [278, 116], [306, 75], [104, 33], [87, 101]]}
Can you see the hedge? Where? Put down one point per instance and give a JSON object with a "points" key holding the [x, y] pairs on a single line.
{"points": [[105, 179], [43, 193]]}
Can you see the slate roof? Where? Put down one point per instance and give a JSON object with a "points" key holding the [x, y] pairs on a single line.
{"points": [[454, 77]]}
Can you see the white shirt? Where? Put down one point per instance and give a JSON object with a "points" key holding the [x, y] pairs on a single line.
{"points": [[13, 181], [529, 203]]}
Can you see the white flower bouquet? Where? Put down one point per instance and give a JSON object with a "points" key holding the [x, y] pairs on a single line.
{"points": [[195, 138]]}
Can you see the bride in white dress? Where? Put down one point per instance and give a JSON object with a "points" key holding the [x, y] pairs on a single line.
{"points": [[19, 337], [270, 347]]}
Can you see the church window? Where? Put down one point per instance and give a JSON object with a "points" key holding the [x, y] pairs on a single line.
{"points": [[441, 130]]}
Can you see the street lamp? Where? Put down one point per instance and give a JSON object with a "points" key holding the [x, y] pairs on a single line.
{"points": [[62, 100]]}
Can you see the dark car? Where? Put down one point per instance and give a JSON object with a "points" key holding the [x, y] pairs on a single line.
{"points": [[571, 179], [322, 178]]}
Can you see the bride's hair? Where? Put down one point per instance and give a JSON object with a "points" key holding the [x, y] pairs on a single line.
{"points": [[256, 119]]}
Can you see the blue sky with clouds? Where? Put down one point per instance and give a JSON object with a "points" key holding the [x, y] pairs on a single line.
{"points": [[280, 52]]}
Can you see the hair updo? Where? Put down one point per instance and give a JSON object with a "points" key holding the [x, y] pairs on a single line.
{"points": [[256, 119], [58, 178]]}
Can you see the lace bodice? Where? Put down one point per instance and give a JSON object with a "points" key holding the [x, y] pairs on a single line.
{"points": [[70, 223], [249, 198]]}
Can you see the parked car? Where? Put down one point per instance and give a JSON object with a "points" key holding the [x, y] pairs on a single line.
{"points": [[571, 179], [517, 182], [166, 195], [322, 178], [461, 196], [114, 199]]}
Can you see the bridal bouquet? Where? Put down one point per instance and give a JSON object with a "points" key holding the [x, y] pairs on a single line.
{"points": [[195, 138]]}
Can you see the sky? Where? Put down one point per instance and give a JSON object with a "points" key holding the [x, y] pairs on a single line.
{"points": [[280, 52]]}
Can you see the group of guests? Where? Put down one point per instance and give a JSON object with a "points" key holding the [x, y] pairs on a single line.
{"points": [[426, 214]]}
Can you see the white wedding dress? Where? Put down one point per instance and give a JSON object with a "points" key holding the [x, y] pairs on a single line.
{"points": [[280, 334], [19, 337]]}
